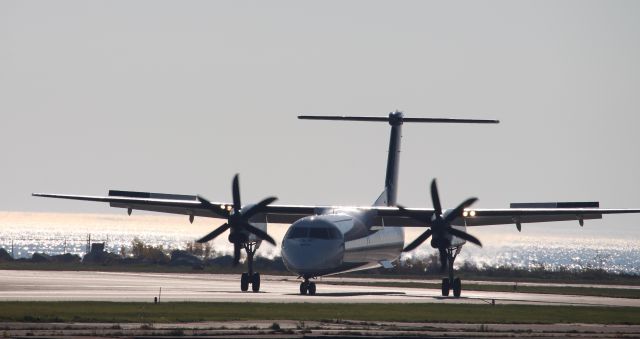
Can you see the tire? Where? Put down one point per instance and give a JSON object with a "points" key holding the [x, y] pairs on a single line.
{"points": [[303, 288], [312, 288], [457, 287], [446, 287], [244, 282], [255, 282]]}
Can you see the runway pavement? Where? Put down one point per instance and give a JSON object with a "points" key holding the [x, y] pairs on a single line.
{"points": [[110, 286]]}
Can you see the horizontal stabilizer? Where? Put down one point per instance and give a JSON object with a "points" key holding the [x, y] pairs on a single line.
{"points": [[402, 119]]}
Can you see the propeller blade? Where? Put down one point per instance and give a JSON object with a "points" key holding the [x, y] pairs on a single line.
{"points": [[457, 212], [213, 208], [412, 214], [443, 259], [464, 235], [236, 254], [237, 204], [258, 232], [259, 207], [435, 198], [419, 240], [213, 234]]}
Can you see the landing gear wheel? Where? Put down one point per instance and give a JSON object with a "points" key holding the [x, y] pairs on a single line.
{"points": [[244, 282], [312, 288], [304, 286], [457, 287], [446, 287], [255, 283]]}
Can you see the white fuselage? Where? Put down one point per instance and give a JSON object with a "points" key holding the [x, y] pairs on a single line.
{"points": [[340, 242]]}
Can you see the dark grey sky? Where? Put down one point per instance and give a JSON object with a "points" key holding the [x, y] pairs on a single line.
{"points": [[178, 96]]}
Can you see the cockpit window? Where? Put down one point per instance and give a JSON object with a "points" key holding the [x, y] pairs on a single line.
{"points": [[299, 232], [323, 233], [314, 233]]}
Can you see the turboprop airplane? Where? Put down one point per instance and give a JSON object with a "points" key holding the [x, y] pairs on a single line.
{"points": [[324, 240]]}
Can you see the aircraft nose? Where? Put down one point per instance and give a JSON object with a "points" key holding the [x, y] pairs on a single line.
{"points": [[307, 256], [312, 247]]}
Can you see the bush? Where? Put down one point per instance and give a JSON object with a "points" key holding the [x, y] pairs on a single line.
{"points": [[200, 250], [148, 253], [5, 256]]}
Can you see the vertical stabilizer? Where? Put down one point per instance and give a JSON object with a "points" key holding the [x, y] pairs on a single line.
{"points": [[393, 161]]}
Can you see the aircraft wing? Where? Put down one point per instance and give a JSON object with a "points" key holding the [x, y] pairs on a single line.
{"points": [[155, 202], [190, 205], [391, 216], [521, 213], [186, 205], [486, 217]]}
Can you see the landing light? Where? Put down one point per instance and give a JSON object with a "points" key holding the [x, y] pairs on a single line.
{"points": [[465, 213], [229, 208], [472, 213]]}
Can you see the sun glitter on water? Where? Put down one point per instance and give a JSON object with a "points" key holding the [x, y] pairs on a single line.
{"points": [[55, 233]]}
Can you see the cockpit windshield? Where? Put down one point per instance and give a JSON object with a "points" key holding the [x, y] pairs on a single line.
{"points": [[314, 233], [323, 233], [299, 232]]}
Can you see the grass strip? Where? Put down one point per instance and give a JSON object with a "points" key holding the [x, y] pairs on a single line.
{"points": [[570, 290], [171, 312]]}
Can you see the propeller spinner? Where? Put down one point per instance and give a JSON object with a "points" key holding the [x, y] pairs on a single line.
{"points": [[440, 228], [237, 220]]}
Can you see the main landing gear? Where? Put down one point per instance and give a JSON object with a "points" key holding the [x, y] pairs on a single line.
{"points": [[307, 287], [250, 277], [450, 283]]}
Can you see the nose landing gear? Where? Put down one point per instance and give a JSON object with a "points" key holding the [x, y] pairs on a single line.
{"points": [[448, 285], [307, 287]]}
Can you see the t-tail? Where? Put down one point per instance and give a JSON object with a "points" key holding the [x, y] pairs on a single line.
{"points": [[395, 119]]}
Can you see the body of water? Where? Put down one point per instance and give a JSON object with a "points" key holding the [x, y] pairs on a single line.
{"points": [[561, 247]]}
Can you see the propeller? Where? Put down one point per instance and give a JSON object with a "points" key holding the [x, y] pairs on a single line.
{"points": [[237, 220], [440, 229]]}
